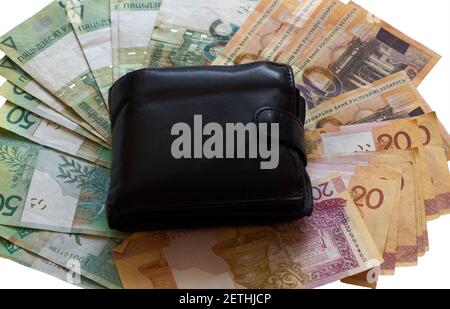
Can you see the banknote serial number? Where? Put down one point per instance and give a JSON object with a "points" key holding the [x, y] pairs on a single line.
{"points": [[226, 298]]}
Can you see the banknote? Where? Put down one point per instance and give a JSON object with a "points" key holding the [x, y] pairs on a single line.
{"points": [[114, 13], [321, 170], [432, 161], [268, 21], [377, 195], [424, 193], [18, 77], [22, 122], [332, 244], [359, 50], [389, 98], [192, 32], [40, 46], [44, 189], [92, 255], [135, 21], [386, 170], [409, 241], [392, 97], [25, 100], [402, 250], [437, 163], [324, 18], [91, 22], [379, 138], [389, 172], [422, 183], [355, 158], [411, 133], [16, 254], [398, 134]]}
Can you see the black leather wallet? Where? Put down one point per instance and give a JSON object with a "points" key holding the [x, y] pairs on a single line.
{"points": [[154, 187]]}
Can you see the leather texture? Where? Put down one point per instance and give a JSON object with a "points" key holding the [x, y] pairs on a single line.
{"points": [[150, 189]]}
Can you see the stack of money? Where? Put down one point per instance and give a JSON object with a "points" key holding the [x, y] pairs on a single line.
{"points": [[378, 153], [365, 117]]}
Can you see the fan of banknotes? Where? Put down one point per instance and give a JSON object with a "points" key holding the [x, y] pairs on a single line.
{"points": [[378, 153]]}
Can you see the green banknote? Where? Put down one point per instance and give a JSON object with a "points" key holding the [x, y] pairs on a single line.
{"points": [[22, 122], [21, 98], [135, 21], [92, 24], [46, 47], [15, 75], [44, 189], [16, 254], [93, 255], [114, 12], [193, 32]]}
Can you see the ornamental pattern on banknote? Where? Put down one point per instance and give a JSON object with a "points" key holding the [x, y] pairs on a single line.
{"points": [[89, 179], [389, 262], [289, 277], [346, 260], [325, 218], [17, 160], [10, 247], [24, 232], [251, 256], [248, 257]]}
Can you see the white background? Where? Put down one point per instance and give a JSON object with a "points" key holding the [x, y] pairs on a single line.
{"points": [[426, 21]]}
